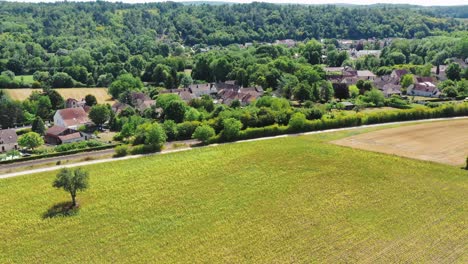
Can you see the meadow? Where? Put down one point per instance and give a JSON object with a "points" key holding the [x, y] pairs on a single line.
{"points": [[78, 93], [293, 199], [27, 79]]}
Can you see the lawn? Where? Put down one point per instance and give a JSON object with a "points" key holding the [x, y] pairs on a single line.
{"points": [[295, 199], [27, 79], [78, 93]]}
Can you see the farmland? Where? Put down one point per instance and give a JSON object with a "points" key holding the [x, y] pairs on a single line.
{"points": [[78, 93], [294, 199], [444, 142]]}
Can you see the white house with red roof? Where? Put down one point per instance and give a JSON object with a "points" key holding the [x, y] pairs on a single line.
{"points": [[426, 89], [72, 118]]}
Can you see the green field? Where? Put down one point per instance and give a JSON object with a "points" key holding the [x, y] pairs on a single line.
{"points": [[27, 79], [295, 199]]}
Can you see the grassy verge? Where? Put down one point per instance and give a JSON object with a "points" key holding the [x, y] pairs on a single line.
{"points": [[294, 199]]}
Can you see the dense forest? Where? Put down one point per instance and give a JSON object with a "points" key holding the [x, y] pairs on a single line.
{"points": [[66, 25], [94, 42]]}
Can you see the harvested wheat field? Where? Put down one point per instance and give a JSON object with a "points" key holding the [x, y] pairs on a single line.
{"points": [[443, 142], [78, 93]]}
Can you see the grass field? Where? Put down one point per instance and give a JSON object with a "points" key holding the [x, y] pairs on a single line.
{"points": [[101, 93], [295, 199], [27, 79], [445, 142]]}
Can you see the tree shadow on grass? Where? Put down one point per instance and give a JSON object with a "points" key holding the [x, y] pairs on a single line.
{"points": [[64, 209]]}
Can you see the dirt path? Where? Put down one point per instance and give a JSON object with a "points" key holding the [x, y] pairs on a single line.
{"points": [[15, 174]]}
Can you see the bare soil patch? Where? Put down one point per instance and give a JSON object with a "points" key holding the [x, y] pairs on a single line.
{"points": [[443, 142]]}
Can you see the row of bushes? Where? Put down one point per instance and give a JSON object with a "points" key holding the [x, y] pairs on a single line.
{"points": [[78, 145], [299, 123], [57, 154], [124, 150], [357, 119]]}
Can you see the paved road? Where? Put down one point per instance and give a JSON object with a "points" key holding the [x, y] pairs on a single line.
{"points": [[15, 174], [82, 155]]}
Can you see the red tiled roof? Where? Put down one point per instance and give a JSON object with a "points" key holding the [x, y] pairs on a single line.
{"points": [[74, 116], [55, 130], [425, 87], [70, 136], [421, 79], [401, 72]]}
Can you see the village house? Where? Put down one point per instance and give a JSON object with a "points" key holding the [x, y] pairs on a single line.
{"points": [[381, 81], [8, 140], [334, 71], [361, 53], [349, 80], [72, 118], [365, 75], [202, 89], [227, 85], [141, 101], [118, 107], [244, 95], [345, 43], [397, 74], [184, 93], [57, 135], [288, 42], [439, 72], [420, 79], [390, 89], [73, 103], [426, 89]]}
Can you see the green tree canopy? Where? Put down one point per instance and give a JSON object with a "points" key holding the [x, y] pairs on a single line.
{"points": [[30, 140], [124, 83], [72, 181], [99, 114]]}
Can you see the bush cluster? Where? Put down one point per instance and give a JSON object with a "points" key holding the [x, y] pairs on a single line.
{"points": [[78, 145]]}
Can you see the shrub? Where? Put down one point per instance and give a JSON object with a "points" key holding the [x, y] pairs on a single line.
{"points": [[231, 129], [185, 130], [121, 151], [142, 149], [151, 134], [170, 127], [297, 122], [203, 133], [78, 145], [397, 102]]}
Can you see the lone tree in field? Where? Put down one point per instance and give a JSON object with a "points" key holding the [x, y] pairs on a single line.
{"points": [[72, 181]]}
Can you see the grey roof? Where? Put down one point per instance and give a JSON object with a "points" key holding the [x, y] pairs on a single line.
{"points": [[8, 136]]}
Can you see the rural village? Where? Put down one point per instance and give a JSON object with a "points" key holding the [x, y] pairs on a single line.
{"points": [[118, 123]]}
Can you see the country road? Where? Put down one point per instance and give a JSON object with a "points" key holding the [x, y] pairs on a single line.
{"points": [[15, 174], [83, 155]]}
